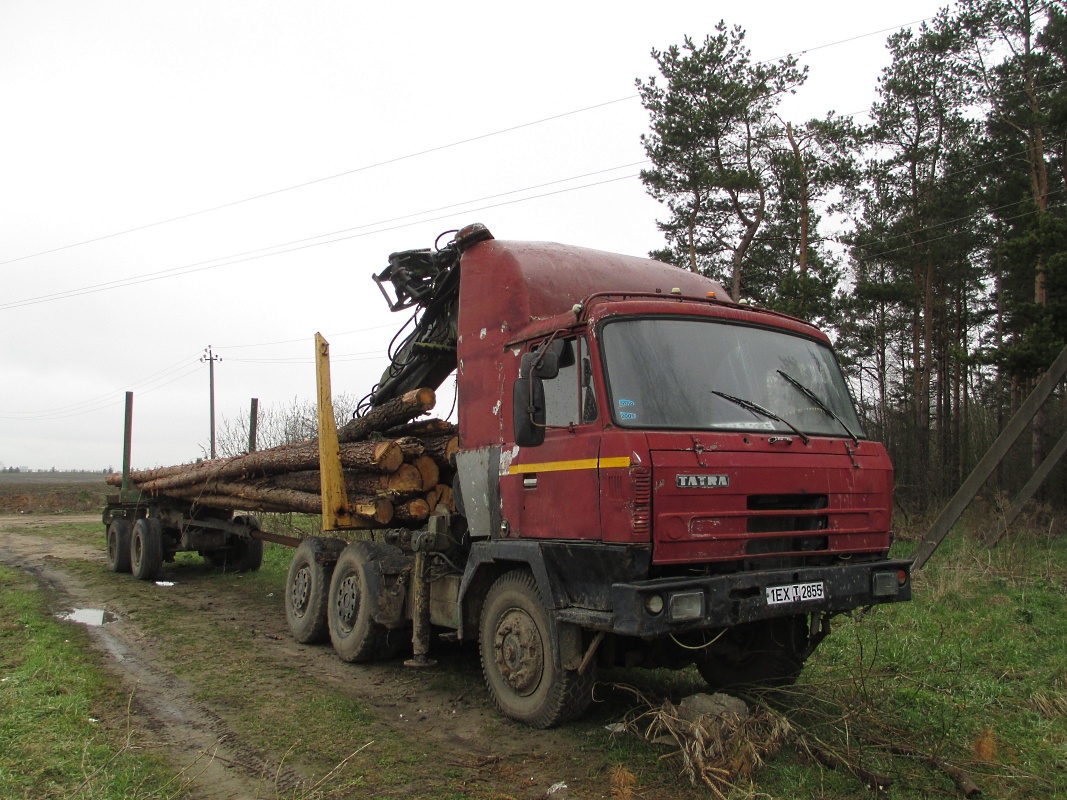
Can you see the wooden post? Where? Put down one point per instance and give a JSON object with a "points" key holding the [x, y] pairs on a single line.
{"points": [[1028, 490], [127, 443], [253, 423], [980, 474]]}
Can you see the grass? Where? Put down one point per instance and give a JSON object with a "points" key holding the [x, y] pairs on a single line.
{"points": [[971, 675], [271, 703], [63, 730]]}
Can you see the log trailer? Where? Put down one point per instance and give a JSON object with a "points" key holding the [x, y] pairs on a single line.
{"points": [[648, 474]]}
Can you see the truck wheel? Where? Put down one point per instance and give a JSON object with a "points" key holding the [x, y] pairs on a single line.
{"points": [[354, 633], [307, 588], [118, 545], [517, 658], [146, 549], [757, 654]]}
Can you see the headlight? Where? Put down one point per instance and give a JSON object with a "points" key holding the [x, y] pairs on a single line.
{"points": [[686, 606], [653, 603], [884, 584]]}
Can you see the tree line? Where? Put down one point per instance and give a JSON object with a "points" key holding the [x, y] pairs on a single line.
{"points": [[929, 239]]}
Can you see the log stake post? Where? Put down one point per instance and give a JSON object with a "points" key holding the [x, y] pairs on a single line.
{"points": [[253, 423], [335, 514], [127, 444]]}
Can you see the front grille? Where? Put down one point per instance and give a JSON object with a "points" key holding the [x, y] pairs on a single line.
{"points": [[781, 513], [787, 544]]}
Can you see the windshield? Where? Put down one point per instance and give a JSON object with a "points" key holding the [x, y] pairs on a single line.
{"points": [[706, 375]]}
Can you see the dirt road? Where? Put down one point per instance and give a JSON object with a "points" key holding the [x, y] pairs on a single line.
{"points": [[459, 746]]}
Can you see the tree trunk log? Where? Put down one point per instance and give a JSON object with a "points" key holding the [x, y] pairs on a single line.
{"points": [[257, 498], [411, 446], [378, 456], [441, 448], [441, 494], [423, 428], [429, 471], [388, 415], [247, 497], [411, 512], [406, 480]]}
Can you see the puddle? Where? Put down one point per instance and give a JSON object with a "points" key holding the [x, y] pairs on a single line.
{"points": [[89, 616]]}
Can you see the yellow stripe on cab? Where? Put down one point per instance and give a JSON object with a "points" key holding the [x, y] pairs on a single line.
{"points": [[564, 466]]}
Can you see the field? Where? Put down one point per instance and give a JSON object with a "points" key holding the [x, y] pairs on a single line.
{"points": [[196, 690], [52, 492]]}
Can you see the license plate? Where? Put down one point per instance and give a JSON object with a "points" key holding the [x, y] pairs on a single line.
{"points": [[794, 593]]}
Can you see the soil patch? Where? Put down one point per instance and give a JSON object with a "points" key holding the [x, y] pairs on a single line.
{"points": [[443, 716]]}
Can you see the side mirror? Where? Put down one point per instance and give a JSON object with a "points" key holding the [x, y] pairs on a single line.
{"points": [[528, 411], [545, 363]]}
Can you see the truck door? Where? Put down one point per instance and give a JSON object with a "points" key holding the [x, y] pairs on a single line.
{"points": [[560, 489]]}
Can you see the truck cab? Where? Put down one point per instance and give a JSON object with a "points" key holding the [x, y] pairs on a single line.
{"points": [[672, 476]]}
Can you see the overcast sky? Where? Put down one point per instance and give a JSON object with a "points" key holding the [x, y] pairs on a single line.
{"points": [[396, 121]]}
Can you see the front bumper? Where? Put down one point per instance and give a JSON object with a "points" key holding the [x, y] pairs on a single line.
{"points": [[720, 601]]}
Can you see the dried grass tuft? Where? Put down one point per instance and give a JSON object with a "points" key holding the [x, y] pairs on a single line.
{"points": [[718, 739], [1049, 705], [622, 783], [985, 746]]}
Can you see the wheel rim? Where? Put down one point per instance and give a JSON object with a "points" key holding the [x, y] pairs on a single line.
{"points": [[136, 549], [301, 591], [112, 546], [348, 602], [519, 651]]}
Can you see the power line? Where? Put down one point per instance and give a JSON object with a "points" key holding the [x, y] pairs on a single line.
{"points": [[304, 339], [107, 396], [199, 265], [417, 154], [364, 168], [103, 405]]}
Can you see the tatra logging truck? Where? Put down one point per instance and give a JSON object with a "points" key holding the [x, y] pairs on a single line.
{"points": [[648, 474]]}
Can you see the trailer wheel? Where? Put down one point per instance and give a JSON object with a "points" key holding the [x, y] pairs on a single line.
{"points": [[240, 555], [769, 653], [307, 588], [354, 633], [246, 555], [517, 659], [118, 545], [146, 549]]}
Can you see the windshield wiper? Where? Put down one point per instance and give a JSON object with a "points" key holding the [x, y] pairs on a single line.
{"points": [[818, 401], [756, 408]]}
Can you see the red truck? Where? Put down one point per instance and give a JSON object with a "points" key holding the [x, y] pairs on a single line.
{"points": [[649, 474]]}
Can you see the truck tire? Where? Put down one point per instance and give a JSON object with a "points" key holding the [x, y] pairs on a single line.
{"points": [[146, 549], [517, 659], [356, 637], [240, 555], [118, 545], [769, 653], [307, 588]]}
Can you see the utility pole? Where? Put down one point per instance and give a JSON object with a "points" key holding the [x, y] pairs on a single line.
{"points": [[211, 359]]}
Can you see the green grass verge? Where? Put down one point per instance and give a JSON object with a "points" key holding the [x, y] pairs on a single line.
{"points": [[972, 674], [62, 728]]}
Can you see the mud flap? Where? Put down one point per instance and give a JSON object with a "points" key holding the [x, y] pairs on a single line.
{"points": [[387, 578], [569, 650]]}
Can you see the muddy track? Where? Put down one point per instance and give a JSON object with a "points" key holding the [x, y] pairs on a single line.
{"points": [[214, 761], [457, 730]]}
